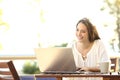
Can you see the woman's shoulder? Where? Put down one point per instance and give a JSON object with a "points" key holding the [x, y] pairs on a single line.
{"points": [[99, 42]]}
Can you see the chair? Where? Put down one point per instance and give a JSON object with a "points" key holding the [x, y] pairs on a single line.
{"points": [[8, 71], [113, 64]]}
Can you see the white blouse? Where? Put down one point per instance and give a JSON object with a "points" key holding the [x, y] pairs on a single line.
{"points": [[96, 55]]}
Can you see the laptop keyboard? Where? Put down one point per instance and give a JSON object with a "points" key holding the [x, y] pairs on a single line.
{"points": [[64, 72]]}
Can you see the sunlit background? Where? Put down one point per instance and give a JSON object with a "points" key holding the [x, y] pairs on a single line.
{"points": [[43, 23]]}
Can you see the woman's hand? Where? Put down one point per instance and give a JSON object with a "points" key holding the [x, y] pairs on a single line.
{"points": [[92, 69], [84, 69], [81, 69], [77, 69]]}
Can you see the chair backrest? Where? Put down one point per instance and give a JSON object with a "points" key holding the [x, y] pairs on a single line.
{"points": [[8, 71], [113, 64]]}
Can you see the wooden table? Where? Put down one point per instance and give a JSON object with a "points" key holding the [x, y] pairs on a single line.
{"points": [[112, 76]]}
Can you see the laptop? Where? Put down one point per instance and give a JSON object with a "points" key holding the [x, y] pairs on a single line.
{"points": [[55, 60]]}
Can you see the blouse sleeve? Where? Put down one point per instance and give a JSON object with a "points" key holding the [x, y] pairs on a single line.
{"points": [[104, 57]]}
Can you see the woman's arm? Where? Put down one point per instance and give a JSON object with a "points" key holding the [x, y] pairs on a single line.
{"points": [[92, 69]]}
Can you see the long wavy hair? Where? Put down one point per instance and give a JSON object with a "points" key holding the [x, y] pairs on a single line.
{"points": [[92, 31]]}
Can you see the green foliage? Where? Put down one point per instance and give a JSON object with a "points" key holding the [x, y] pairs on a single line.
{"points": [[114, 9], [62, 45], [30, 67], [3, 26], [113, 6]]}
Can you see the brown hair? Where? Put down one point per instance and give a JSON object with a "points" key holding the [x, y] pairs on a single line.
{"points": [[92, 32]]}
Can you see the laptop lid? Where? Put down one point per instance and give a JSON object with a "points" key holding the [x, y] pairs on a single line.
{"points": [[55, 59]]}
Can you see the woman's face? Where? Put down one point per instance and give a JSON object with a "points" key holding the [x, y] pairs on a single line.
{"points": [[82, 33]]}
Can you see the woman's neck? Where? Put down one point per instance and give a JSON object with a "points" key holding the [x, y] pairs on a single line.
{"points": [[84, 48], [84, 45]]}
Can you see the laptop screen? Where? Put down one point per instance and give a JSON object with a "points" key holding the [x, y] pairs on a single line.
{"points": [[55, 59]]}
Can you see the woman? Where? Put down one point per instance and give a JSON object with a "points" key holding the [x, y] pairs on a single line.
{"points": [[88, 50]]}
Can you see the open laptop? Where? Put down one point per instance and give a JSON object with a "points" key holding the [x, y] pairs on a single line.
{"points": [[55, 60]]}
